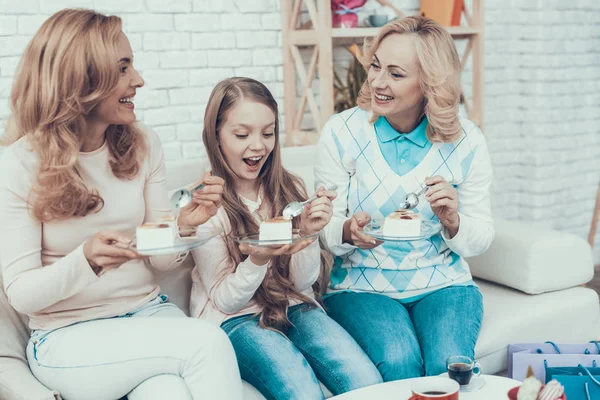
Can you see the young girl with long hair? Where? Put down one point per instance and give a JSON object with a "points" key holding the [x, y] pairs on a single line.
{"points": [[83, 172], [263, 297]]}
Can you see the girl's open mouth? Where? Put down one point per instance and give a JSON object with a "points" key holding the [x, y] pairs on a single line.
{"points": [[253, 161]]}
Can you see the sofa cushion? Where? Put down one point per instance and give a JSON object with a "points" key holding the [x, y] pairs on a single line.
{"points": [[177, 284], [534, 259], [510, 316], [185, 172], [16, 380]]}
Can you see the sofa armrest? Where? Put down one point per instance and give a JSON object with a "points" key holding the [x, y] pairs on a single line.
{"points": [[18, 383], [534, 259]]}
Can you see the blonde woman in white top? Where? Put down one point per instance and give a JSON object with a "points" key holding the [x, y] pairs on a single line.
{"points": [[82, 172]]}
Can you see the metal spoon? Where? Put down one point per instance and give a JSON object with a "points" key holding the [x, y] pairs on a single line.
{"points": [[183, 197], [295, 208], [412, 199]]}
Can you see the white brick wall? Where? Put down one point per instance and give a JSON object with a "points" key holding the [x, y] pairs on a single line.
{"points": [[542, 84]]}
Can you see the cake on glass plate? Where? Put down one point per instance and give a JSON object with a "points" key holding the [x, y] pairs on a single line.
{"points": [[157, 235], [402, 223], [278, 228]]}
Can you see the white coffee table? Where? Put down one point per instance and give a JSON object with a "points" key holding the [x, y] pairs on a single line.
{"points": [[495, 388]]}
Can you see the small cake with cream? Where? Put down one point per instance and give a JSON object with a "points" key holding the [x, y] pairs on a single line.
{"points": [[157, 235], [402, 223], [278, 228]]}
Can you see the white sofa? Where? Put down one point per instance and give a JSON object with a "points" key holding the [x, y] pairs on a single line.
{"points": [[530, 279]]}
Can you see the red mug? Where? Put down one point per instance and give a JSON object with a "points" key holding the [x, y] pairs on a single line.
{"points": [[434, 388]]}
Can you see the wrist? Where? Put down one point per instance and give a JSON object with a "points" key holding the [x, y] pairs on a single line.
{"points": [[98, 270], [304, 227], [259, 261], [453, 227], [346, 238], [86, 251]]}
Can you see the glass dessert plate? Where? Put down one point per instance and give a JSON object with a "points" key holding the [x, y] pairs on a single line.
{"points": [[181, 245], [253, 239], [428, 229], [477, 382]]}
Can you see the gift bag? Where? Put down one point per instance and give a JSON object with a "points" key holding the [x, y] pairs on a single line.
{"points": [[551, 372], [542, 355], [580, 383]]}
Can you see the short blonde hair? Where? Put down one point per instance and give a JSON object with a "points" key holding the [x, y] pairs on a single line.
{"points": [[440, 73]]}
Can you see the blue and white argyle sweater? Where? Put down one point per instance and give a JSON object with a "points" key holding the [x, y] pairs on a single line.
{"points": [[398, 269]]}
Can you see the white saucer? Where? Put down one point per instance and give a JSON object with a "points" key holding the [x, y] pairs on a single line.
{"points": [[477, 382]]}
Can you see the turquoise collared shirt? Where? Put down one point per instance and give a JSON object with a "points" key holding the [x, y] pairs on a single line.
{"points": [[402, 151]]}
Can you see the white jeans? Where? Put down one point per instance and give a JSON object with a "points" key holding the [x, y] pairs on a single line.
{"points": [[155, 352]]}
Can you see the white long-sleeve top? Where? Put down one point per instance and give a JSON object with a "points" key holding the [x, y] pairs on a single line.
{"points": [[46, 274], [349, 155], [221, 291]]}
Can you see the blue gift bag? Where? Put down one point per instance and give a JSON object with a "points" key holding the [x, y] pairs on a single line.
{"points": [[552, 371], [583, 385]]}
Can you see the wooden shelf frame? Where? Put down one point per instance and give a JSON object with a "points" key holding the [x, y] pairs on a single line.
{"points": [[321, 37]]}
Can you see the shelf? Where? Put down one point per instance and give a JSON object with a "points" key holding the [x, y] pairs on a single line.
{"points": [[309, 37], [299, 83], [304, 37], [455, 31]]}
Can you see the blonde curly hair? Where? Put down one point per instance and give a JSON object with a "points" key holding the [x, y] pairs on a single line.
{"points": [[68, 68]]}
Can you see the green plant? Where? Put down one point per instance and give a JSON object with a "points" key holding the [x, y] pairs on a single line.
{"points": [[346, 93]]}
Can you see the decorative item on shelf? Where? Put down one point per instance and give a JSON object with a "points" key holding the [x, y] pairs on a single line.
{"points": [[346, 93], [345, 13], [377, 20], [383, 15], [445, 12]]}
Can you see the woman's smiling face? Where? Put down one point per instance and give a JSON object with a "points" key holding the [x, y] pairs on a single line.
{"points": [[118, 108], [394, 77]]}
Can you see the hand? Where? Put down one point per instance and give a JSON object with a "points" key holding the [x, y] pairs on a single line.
{"points": [[205, 203], [318, 213], [108, 250], [262, 255], [353, 232], [443, 199]]}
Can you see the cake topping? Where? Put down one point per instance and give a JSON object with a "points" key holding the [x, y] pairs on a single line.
{"points": [[154, 225], [399, 215], [277, 220]]}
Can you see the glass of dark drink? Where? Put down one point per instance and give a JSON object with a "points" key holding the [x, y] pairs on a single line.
{"points": [[462, 369]]}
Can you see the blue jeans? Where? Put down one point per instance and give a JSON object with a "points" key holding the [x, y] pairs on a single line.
{"points": [[316, 348], [413, 339]]}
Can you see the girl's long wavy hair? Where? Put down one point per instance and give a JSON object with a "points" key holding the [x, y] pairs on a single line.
{"points": [[440, 73], [67, 69], [279, 188]]}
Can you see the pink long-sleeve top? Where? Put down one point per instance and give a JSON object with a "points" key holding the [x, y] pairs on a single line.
{"points": [[220, 291], [46, 274]]}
